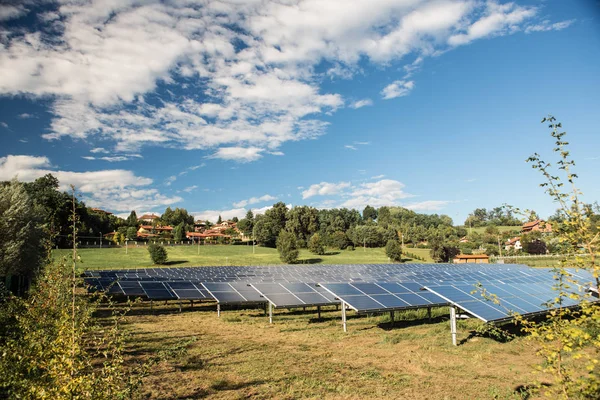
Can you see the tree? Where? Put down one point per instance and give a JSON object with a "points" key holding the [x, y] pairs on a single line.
{"points": [[21, 233], [270, 224], [315, 245], [286, 245], [158, 254], [442, 250], [219, 220], [235, 219], [131, 233], [369, 213], [132, 220], [303, 222], [178, 232], [393, 250]]}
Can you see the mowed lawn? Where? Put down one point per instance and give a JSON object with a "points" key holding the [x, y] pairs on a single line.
{"points": [[241, 355], [179, 256]]}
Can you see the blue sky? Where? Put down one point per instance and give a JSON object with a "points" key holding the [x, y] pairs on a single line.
{"points": [[221, 107]]}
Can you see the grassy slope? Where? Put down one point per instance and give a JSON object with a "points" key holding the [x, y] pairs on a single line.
{"points": [[241, 355], [224, 255]]}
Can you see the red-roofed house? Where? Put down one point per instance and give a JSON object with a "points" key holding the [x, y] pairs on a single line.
{"points": [[148, 218], [537, 225], [471, 258], [514, 243]]}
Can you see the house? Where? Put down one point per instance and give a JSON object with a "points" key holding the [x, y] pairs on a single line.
{"points": [[537, 225], [199, 226], [205, 235], [146, 231], [148, 218], [100, 211], [463, 240], [514, 243], [471, 258]]}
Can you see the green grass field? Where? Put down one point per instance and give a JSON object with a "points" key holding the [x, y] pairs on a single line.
{"points": [[111, 258]]}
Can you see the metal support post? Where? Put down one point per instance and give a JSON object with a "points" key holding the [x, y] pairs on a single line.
{"points": [[429, 313], [150, 305], [453, 324], [265, 309], [180, 305], [270, 312], [392, 317], [191, 303], [319, 312], [219, 310], [344, 317]]}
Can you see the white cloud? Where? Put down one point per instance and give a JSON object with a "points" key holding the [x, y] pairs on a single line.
{"points": [[109, 158], [548, 26], [99, 150], [4, 125], [498, 20], [361, 103], [385, 192], [190, 189], [26, 116], [348, 146], [170, 180], [213, 215], [324, 189], [378, 176], [254, 200], [251, 64], [429, 205], [240, 154], [8, 11], [116, 190], [397, 89]]}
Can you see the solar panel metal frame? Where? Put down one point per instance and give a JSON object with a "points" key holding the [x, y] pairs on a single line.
{"points": [[233, 290]]}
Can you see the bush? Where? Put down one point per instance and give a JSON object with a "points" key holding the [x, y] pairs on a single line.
{"points": [[286, 245], [158, 253], [350, 248], [339, 240], [393, 250], [315, 245]]}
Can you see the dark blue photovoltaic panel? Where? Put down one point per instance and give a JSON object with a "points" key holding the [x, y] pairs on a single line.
{"points": [[132, 288], [415, 300], [362, 302], [370, 288], [343, 289], [312, 298], [390, 301]]}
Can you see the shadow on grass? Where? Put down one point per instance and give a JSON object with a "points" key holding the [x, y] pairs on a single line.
{"points": [[310, 261], [332, 253], [176, 262], [501, 334], [388, 326]]}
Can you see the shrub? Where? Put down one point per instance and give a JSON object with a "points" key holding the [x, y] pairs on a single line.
{"points": [[158, 253], [350, 248], [315, 245], [393, 250], [286, 245], [339, 240]]}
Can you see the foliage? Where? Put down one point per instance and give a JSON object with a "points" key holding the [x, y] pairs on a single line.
{"points": [[132, 220], [393, 250], [178, 232], [442, 250], [176, 217], [315, 245], [246, 225], [219, 220], [270, 224], [496, 216], [339, 240], [286, 245], [131, 233], [568, 339], [21, 233], [303, 222], [158, 253], [369, 213]]}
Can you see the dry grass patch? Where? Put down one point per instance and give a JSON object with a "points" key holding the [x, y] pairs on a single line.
{"points": [[241, 355]]}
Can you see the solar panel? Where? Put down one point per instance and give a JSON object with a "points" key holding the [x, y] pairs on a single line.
{"points": [[186, 290], [382, 296], [289, 295], [157, 291], [522, 298], [225, 293], [132, 288]]}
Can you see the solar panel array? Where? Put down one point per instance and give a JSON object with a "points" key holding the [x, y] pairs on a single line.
{"points": [[363, 287]]}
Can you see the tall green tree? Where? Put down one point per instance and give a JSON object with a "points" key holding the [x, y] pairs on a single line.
{"points": [[21, 232], [286, 245], [369, 213], [132, 220]]}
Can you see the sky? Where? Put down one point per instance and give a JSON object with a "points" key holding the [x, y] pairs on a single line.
{"points": [[224, 106]]}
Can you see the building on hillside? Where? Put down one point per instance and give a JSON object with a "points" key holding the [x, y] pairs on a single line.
{"points": [[100, 211], [199, 226], [537, 226], [513, 244], [206, 235], [471, 258], [148, 218], [152, 231], [463, 240]]}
